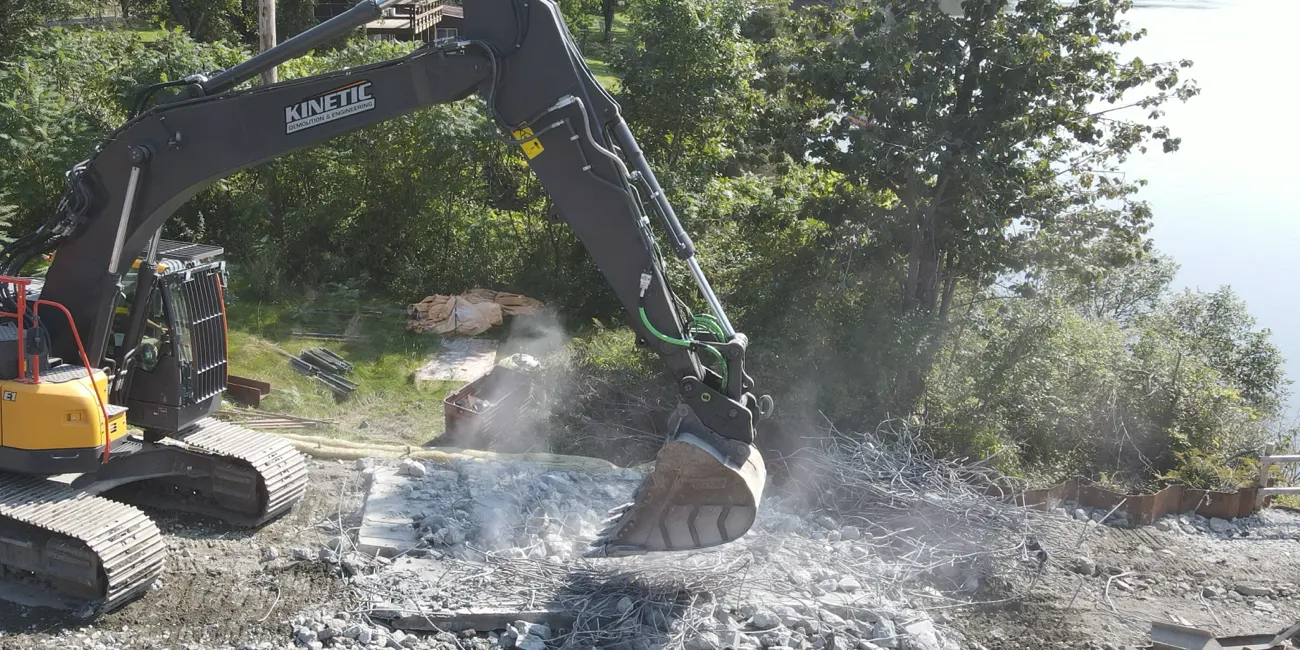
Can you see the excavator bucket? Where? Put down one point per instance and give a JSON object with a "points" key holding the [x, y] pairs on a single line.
{"points": [[703, 491]]}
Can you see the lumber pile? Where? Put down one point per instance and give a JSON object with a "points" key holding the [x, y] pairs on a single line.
{"points": [[255, 419]]}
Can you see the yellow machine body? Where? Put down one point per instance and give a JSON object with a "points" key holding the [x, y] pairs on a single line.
{"points": [[57, 425]]}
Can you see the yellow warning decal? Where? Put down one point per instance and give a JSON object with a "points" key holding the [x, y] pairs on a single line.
{"points": [[531, 148]]}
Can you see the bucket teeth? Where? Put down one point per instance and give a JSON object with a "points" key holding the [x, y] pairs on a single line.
{"points": [[700, 494]]}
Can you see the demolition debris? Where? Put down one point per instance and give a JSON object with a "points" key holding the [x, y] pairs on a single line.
{"points": [[852, 555]]}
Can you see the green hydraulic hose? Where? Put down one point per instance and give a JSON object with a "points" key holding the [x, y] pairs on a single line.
{"points": [[717, 356], [660, 335]]}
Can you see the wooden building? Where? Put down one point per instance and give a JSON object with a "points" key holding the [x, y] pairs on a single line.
{"points": [[408, 20]]}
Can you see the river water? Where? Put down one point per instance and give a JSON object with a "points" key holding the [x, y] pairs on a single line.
{"points": [[1227, 204]]}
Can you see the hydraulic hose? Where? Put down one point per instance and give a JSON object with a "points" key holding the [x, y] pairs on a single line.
{"points": [[713, 352]]}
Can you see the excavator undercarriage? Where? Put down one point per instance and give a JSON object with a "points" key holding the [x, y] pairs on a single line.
{"points": [[84, 544]]}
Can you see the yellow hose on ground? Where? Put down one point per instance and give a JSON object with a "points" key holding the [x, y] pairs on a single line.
{"points": [[329, 448]]}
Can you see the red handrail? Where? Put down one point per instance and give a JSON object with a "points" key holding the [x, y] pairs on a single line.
{"points": [[108, 436], [21, 284]]}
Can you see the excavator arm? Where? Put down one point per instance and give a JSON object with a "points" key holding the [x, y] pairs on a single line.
{"points": [[519, 57]]}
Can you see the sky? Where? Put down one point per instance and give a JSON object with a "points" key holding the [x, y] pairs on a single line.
{"points": [[1227, 204]]}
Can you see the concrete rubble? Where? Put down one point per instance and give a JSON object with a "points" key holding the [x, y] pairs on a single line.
{"points": [[492, 552]]}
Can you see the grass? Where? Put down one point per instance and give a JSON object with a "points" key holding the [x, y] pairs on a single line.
{"points": [[597, 51], [607, 79], [149, 34], [387, 407], [1289, 501]]}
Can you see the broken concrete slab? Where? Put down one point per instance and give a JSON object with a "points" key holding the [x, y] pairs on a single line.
{"points": [[461, 360], [1168, 636], [386, 525]]}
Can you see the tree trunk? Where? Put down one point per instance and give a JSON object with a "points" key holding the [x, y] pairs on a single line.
{"points": [[181, 17], [949, 288], [607, 9], [923, 258], [266, 29]]}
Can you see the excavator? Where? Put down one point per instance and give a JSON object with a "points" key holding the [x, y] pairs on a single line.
{"points": [[112, 365]]}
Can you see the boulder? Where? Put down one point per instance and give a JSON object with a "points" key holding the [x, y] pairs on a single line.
{"points": [[532, 642], [704, 641], [1083, 565], [923, 636], [413, 468], [765, 619], [885, 634]]}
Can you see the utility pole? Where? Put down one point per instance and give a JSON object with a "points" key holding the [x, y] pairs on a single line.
{"points": [[266, 24]]}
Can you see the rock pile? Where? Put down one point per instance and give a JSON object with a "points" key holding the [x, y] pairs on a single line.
{"points": [[1072, 510], [509, 537]]}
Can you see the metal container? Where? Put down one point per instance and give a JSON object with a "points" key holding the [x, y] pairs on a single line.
{"points": [[487, 411]]}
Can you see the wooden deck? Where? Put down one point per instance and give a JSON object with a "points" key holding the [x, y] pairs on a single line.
{"points": [[413, 20]]}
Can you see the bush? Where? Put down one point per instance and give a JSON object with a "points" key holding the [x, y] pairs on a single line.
{"points": [[1162, 393], [68, 92], [1201, 470]]}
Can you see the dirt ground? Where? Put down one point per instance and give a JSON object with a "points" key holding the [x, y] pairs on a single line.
{"points": [[217, 590], [1147, 574], [230, 588]]}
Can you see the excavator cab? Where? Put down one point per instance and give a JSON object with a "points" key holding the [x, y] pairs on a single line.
{"points": [[176, 360]]}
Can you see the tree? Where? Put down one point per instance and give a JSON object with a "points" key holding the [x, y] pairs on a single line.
{"points": [[19, 20], [1120, 294], [685, 75], [293, 17], [966, 141], [984, 129], [204, 20], [1217, 330], [1163, 384]]}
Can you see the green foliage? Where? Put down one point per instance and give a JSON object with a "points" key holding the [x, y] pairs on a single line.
{"points": [[204, 20], [1198, 469], [1134, 380], [982, 129], [685, 81], [69, 90], [7, 213], [20, 20], [612, 353]]}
